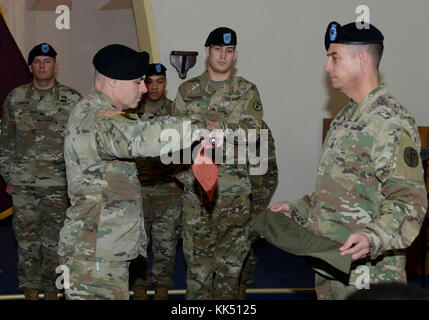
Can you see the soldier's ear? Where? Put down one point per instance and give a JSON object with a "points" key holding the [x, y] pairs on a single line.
{"points": [[207, 51], [364, 59]]}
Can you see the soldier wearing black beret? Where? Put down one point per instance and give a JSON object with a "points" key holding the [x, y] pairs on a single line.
{"points": [[104, 229], [33, 124], [370, 194], [156, 83], [162, 199], [222, 96], [353, 37], [43, 49]]}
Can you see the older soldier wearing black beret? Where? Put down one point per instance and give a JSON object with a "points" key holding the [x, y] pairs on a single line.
{"points": [[370, 194], [32, 164], [104, 228]]}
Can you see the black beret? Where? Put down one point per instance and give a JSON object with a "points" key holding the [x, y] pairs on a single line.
{"points": [[156, 69], [43, 49], [222, 36], [351, 34], [120, 62]]}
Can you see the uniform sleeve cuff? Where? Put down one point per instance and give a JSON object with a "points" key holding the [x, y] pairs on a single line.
{"points": [[375, 244]]}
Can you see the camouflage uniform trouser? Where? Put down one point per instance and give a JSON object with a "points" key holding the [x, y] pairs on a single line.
{"points": [[390, 268], [249, 266], [38, 216], [216, 240], [89, 280], [163, 221]]}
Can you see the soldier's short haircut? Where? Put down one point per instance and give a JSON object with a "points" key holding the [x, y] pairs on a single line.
{"points": [[375, 50]]}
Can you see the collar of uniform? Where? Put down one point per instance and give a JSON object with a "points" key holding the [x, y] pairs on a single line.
{"points": [[32, 90], [374, 92], [361, 108], [104, 100], [227, 86]]}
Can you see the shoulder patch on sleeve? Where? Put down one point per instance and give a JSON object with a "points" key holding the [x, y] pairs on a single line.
{"points": [[408, 162], [112, 113], [411, 157], [257, 105], [255, 108]]}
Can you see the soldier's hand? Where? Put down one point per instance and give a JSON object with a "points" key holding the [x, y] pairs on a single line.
{"points": [[281, 207], [8, 189], [357, 244]]}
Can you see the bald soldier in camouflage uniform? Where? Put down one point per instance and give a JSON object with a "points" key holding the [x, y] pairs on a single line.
{"points": [[216, 235], [370, 193], [162, 197], [32, 164], [104, 228]]}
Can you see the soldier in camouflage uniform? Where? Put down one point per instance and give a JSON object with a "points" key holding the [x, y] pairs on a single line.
{"points": [[104, 229], [162, 197], [370, 193], [263, 188], [32, 164], [216, 235]]}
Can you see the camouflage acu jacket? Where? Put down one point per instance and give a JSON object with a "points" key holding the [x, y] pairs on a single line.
{"points": [[32, 135], [104, 221], [264, 183], [238, 105], [370, 178], [155, 177]]}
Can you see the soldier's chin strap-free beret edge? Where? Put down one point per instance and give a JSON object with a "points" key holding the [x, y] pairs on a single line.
{"points": [[221, 36], [120, 62], [352, 34], [156, 69], [42, 49]]}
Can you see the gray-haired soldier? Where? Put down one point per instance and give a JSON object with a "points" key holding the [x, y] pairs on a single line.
{"points": [[104, 228]]}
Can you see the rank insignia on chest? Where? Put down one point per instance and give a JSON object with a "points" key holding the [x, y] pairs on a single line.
{"points": [[63, 99], [411, 157]]}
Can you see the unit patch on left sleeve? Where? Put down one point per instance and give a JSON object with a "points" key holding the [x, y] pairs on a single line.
{"points": [[407, 159], [411, 157]]}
